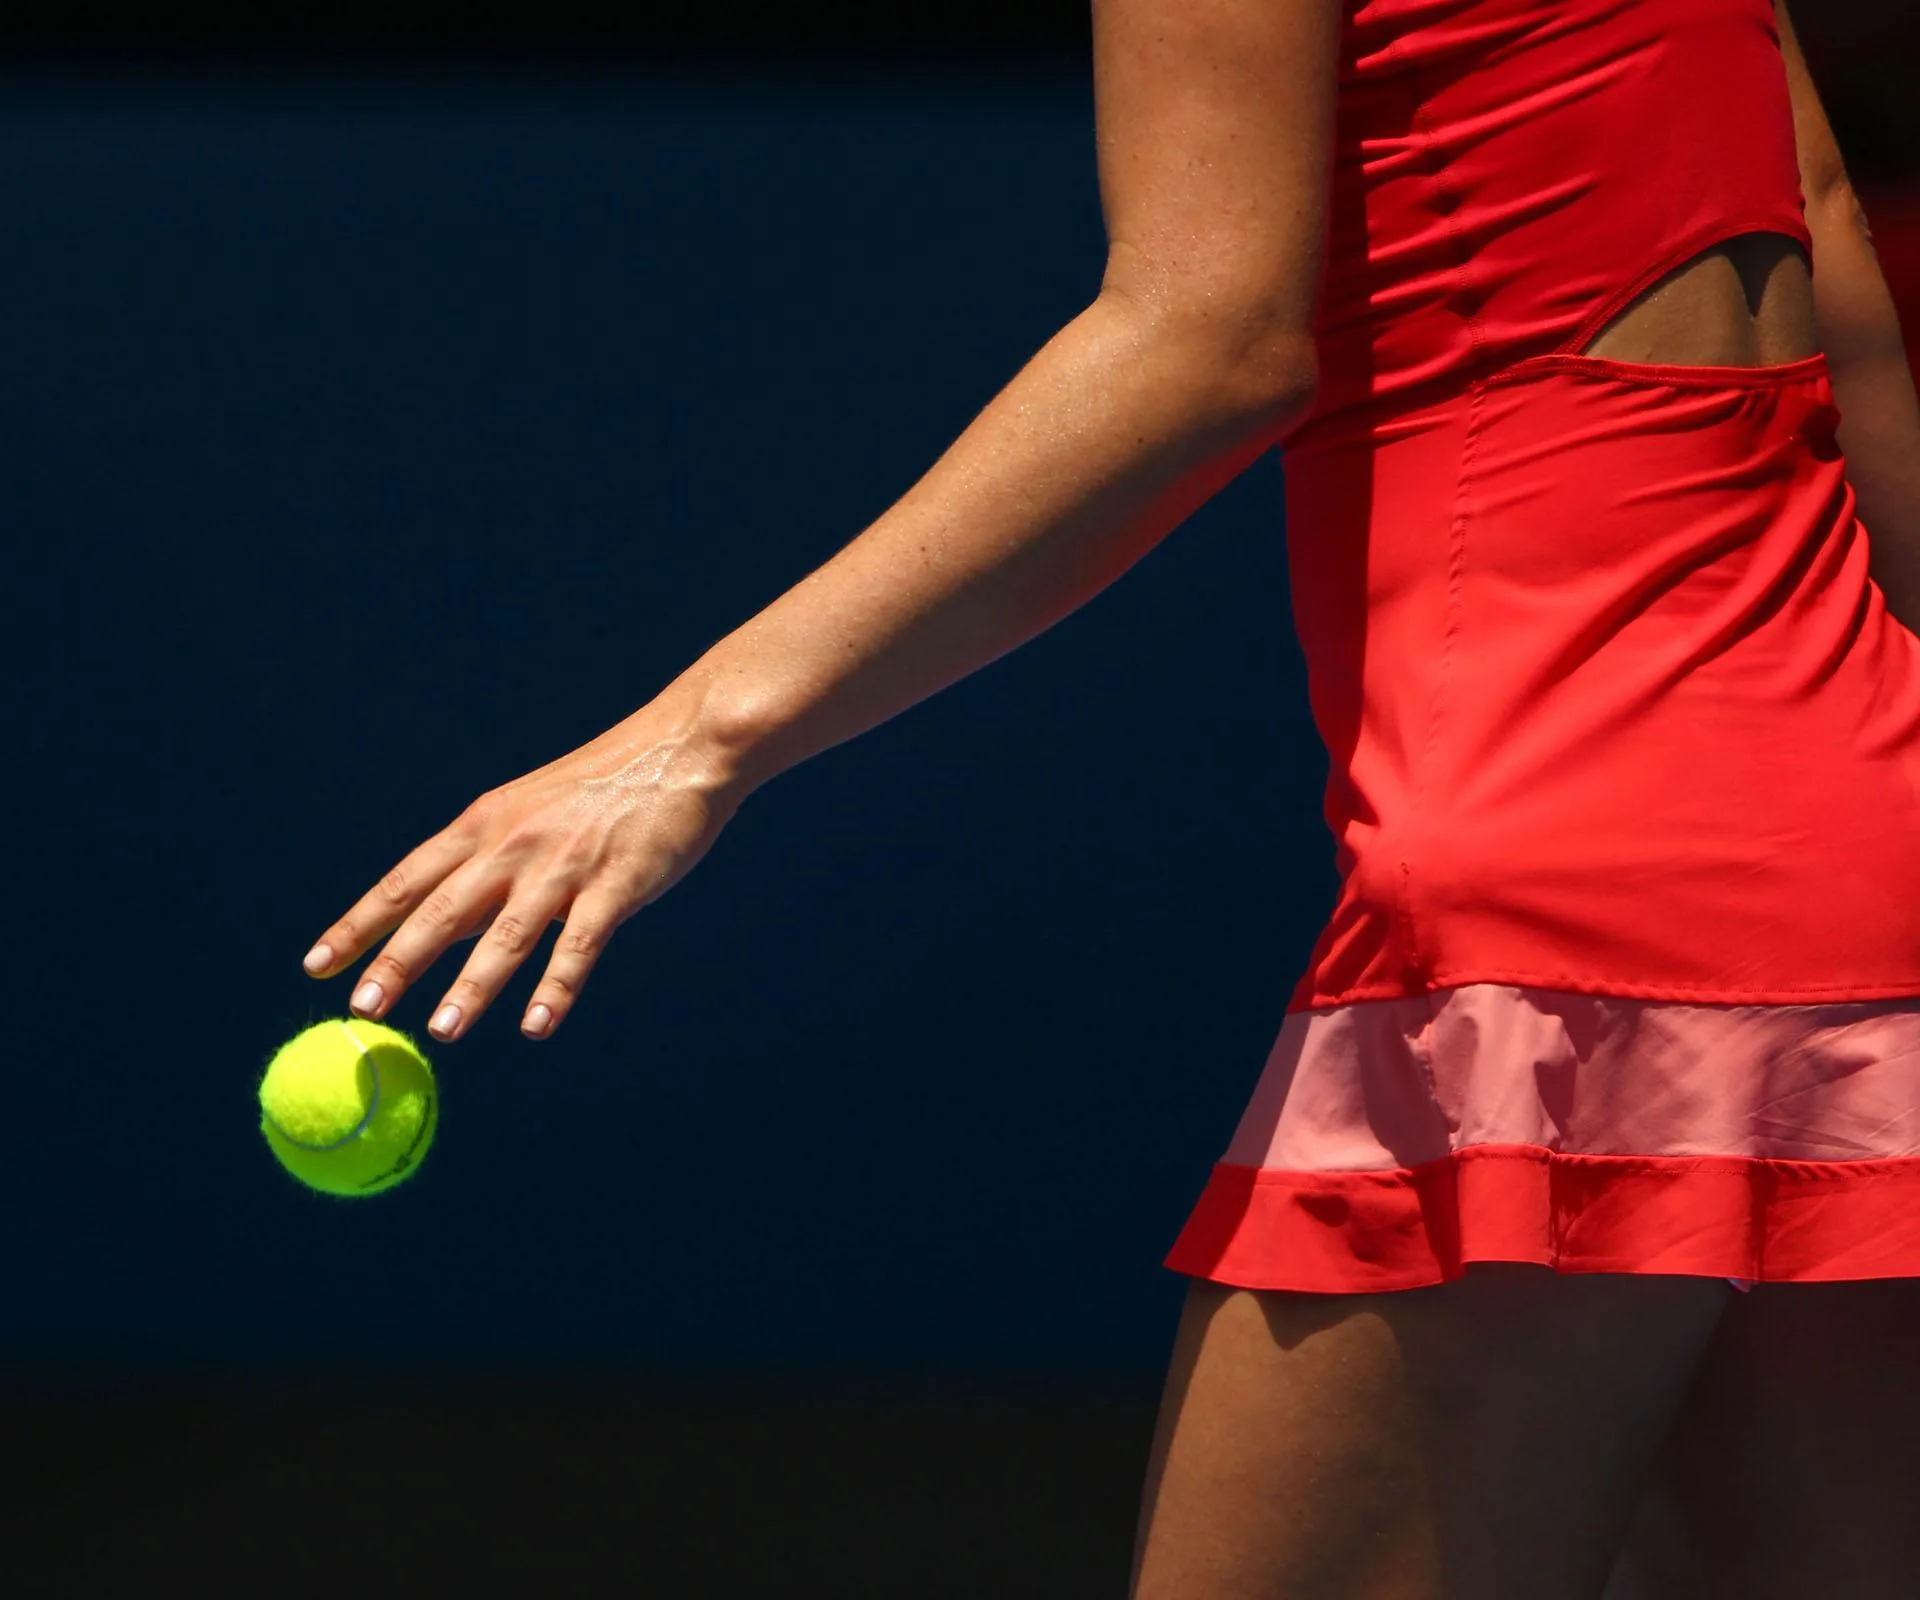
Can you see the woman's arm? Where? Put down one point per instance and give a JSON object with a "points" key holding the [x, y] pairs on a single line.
{"points": [[1214, 130], [1872, 381]]}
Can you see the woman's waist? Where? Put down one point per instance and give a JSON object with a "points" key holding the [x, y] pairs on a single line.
{"points": [[1599, 551], [1566, 464]]}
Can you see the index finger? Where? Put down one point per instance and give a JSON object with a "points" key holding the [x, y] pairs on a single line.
{"points": [[385, 906]]}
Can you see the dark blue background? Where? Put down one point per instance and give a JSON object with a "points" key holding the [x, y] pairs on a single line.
{"points": [[371, 440]]}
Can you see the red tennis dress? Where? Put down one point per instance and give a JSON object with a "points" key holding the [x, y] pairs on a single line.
{"points": [[1624, 970]]}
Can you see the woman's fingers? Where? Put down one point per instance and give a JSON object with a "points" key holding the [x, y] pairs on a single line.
{"points": [[450, 911], [585, 841], [507, 943], [462, 902], [380, 910], [590, 924]]}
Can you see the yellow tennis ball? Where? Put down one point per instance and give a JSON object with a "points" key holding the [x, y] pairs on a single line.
{"points": [[349, 1106]]}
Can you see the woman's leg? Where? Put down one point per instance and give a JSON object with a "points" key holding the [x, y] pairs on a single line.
{"points": [[1486, 1439], [1794, 1466]]}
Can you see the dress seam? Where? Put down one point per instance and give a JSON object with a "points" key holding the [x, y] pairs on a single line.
{"points": [[1811, 369], [1573, 983], [1760, 1169], [1450, 632]]}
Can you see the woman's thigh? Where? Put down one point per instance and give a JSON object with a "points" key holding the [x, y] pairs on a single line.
{"points": [[1794, 1465], [1486, 1439]]}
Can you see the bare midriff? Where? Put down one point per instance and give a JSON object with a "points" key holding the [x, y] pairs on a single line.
{"points": [[1747, 302]]}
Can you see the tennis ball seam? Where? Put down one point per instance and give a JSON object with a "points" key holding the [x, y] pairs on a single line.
{"points": [[366, 1117], [405, 1158]]}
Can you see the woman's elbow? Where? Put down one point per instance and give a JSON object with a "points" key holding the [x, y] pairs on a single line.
{"points": [[1249, 356], [1242, 362], [1272, 377], [1832, 204]]}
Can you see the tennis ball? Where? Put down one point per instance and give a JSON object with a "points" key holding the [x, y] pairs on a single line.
{"points": [[349, 1106]]}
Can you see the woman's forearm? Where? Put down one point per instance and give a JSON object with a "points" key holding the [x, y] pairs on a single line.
{"points": [[1120, 426], [1873, 383]]}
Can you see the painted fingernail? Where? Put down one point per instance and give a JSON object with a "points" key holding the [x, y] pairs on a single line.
{"points": [[319, 958], [538, 1019], [367, 997], [445, 1020]]}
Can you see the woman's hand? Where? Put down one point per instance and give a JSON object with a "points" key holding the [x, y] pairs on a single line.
{"points": [[586, 840]]}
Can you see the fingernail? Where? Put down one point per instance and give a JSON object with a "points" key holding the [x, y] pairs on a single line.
{"points": [[367, 997], [538, 1017], [445, 1020], [319, 958]]}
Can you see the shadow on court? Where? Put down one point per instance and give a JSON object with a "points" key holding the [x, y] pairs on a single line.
{"points": [[569, 1486]]}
